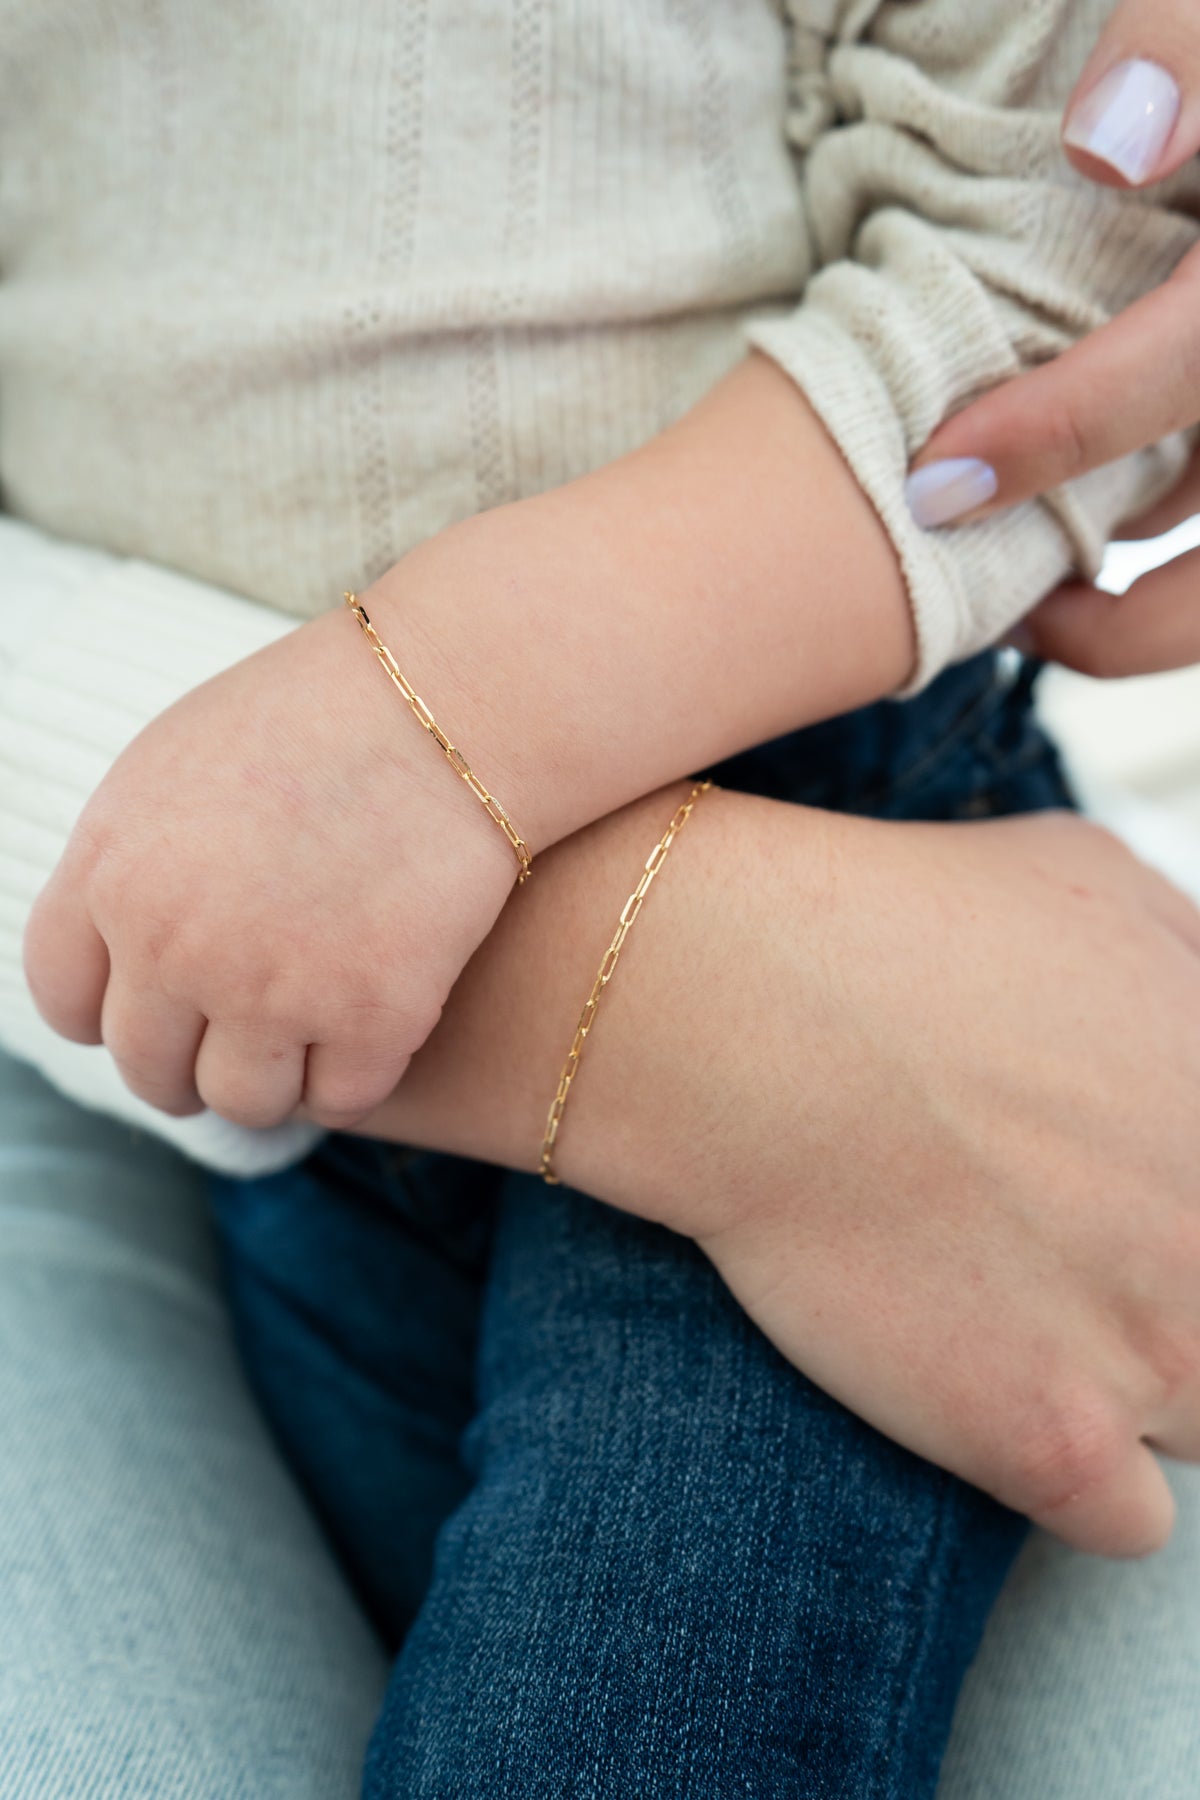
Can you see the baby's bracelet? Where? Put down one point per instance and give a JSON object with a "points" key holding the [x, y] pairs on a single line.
{"points": [[629, 913], [453, 755]]}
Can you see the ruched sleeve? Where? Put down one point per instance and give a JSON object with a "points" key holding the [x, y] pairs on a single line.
{"points": [[953, 247]]}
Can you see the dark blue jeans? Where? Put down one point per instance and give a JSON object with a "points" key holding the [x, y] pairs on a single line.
{"points": [[622, 1548]]}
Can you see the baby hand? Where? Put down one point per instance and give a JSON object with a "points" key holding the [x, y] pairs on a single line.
{"points": [[272, 891]]}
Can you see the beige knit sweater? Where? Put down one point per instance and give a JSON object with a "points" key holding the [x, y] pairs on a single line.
{"points": [[286, 288]]}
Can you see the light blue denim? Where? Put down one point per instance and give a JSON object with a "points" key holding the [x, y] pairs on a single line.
{"points": [[172, 1626]]}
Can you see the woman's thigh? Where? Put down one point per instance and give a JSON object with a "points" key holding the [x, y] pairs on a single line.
{"points": [[172, 1623], [682, 1568]]}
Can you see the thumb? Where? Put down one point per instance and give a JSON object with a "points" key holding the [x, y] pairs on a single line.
{"points": [[1154, 625], [1131, 1513], [1134, 116]]}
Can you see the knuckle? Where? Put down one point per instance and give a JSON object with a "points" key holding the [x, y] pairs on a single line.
{"points": [[385, 1027], [68, 1010], [263, 994], [1064, 435], [1069, 1448], [181, 1108], [176, 1106], [164, 943], [190, 960], [423, 1021], [334, 1118], [336, 1102], [181, 952], [92, 845], [1171, 1355], [103, 875], [239, 1103], [137, 1074], [39, 927], [140, 1066], [147, 1081], [34, 960]]}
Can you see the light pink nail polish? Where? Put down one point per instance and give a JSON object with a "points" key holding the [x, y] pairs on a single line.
{"points": [[1127, 119], [945, 490]]}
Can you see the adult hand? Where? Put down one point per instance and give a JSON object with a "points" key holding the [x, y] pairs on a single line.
{"points": [[982, 1231], [924, 1094], [1133, 119]]}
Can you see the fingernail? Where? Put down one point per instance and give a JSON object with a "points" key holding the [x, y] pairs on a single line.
{"points": [[945, 490], [1127, 118]]}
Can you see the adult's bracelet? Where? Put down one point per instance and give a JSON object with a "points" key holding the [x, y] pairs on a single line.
{"points": [[453, 755], [629, 913]]}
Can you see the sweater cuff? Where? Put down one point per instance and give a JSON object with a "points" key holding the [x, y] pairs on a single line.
{"points": [[93, 647], [967, 586]]}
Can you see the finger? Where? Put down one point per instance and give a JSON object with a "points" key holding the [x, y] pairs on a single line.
{"points": [[1153, 626], [154, 1041], [1178, 1434], [66, 962], [1126, 385], [1134, 116], [249, 1077], [346, 1081], [1181, 916], [1131, 1512], [1183, 502]]}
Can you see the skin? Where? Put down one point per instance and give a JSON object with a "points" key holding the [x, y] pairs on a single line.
{"points": [[583, 647], [882, 1074], [597, 642], [1127, 385]]}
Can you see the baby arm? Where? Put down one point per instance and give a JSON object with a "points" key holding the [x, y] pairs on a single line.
{"points": [[729, 581], [724, 583], [798, 1062], [273, 889]]}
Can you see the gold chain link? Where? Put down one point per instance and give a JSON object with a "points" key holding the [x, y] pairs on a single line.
{"points": [[453, 755], [629, 913]]}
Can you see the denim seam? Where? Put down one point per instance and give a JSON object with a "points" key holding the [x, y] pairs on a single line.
{"points": [[911, 1664]]}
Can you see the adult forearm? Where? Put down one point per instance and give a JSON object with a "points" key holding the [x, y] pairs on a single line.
{"points": [[724, 583], [701, 969], [914, 1176]]}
